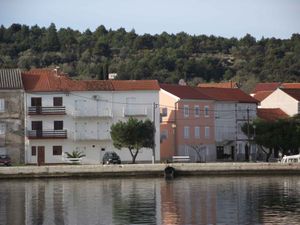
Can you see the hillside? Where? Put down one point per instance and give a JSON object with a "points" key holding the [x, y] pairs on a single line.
{"points": [[166, 57]]}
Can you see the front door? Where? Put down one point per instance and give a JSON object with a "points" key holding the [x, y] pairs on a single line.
{"points": [[41, 155]]}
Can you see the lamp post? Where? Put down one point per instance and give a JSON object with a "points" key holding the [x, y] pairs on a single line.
{"points": [[254, 134]]}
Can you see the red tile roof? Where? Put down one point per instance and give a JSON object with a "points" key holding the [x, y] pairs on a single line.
{"points": [[261, 95], [228, 94], [295, 93], [220, 85], [266, 86], [46, 80], [290, 85], [184, 92], [271, 114]]}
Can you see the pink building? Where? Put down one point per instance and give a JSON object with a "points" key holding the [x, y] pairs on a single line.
{"points": [[187, 123]]}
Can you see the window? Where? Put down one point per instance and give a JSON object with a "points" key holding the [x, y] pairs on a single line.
{"points": [[163, 135], [197, 132], [58, 125], [197, 111], [37, 125], [207, 130], [57, 101], [36, 101], [2, 105], [186, 111], [33, 150], [186, 132], [57, 150], [206, 111], [164, 111]]}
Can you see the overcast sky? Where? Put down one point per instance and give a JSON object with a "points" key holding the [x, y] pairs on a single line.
{"points": [[227, 18]]}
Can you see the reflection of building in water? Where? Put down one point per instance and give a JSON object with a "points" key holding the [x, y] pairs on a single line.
{"points": [[196, 206], [12, 201]]}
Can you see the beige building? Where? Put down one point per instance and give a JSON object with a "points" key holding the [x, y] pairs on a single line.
{"points": [[288, 100], [12, 115]]}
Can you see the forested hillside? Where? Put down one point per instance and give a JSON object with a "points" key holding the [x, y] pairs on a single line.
{"points": [[166, 57]]}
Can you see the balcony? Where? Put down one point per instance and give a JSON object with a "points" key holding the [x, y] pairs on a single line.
{"points": [[47, 134], [52, 110], [91, 137], [135, 111], [105, 113]]}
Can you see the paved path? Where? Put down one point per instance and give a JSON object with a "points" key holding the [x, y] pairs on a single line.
{"points": [[145, 170]]}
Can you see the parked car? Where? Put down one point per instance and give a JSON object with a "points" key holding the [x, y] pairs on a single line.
{"points": [[111, 158], [5, 160]]}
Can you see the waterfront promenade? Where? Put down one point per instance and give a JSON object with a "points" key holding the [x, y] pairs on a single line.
{"points": [[145, 170]]}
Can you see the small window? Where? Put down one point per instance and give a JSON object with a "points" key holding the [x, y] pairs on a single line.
{"points": [[206, 111], [57, 101], [186, 111], [58, 125], [207, 131], [197, 132], [33, 150], [163, 135], [186, 132], [2, 105], [164, 111], [36, 101], [57, 150], [197, 111]]}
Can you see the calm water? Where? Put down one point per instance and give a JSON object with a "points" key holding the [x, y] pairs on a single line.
{"points": [[193, 200]]}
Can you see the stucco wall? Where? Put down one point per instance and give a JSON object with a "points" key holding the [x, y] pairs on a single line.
{"points": [[12, 141], [83, 120]]}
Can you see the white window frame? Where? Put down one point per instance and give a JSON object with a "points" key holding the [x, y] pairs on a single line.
{"points": [[197, 132], [195, 110], [186, 111], [186, 132], [206, 111], [2, 105], [207, 132]]}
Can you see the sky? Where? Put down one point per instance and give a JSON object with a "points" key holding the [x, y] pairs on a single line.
{"points": [[226, 18]]}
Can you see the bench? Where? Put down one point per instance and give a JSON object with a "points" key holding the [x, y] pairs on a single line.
{"points": [[183, 158]]}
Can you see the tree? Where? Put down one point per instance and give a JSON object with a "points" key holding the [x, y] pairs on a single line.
{"points": [[51, 41], [282, 135], [134, 135]]}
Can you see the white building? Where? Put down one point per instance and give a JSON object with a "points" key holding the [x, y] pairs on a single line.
{"points": [[232, 108], [288, 100], [63, 115]]}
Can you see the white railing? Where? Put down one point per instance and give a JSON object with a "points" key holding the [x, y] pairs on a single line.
{"points": [[91, 137], [135, 111], [106, 112]]}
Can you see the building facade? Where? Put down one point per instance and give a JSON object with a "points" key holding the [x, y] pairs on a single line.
{"points": [[11, 115], [288, 100], [232, 109], [64, 115], [187, 123]]}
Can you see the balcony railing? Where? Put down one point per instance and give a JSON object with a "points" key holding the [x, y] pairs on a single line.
{"points": [[91, 137], [52, 110], [47, 134], [92, 113], [135, 111]]}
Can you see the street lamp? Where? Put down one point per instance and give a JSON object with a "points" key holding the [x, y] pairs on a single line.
{"points": [[254, 134]]}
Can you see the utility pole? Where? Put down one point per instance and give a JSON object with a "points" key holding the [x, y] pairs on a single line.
{"points": [[248, 136], [153, 148]]}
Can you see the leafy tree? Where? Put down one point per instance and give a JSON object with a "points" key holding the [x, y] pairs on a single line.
{"points": [[50, 41], [281, 135], [133, 134]]}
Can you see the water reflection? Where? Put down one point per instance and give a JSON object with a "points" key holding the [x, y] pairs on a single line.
{"points": [[195, 200]]}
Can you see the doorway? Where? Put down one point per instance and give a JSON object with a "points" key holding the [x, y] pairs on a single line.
{"points": [[41, 155]]}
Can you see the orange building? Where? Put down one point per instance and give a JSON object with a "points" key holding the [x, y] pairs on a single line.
{"points": [[187, 123]]}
